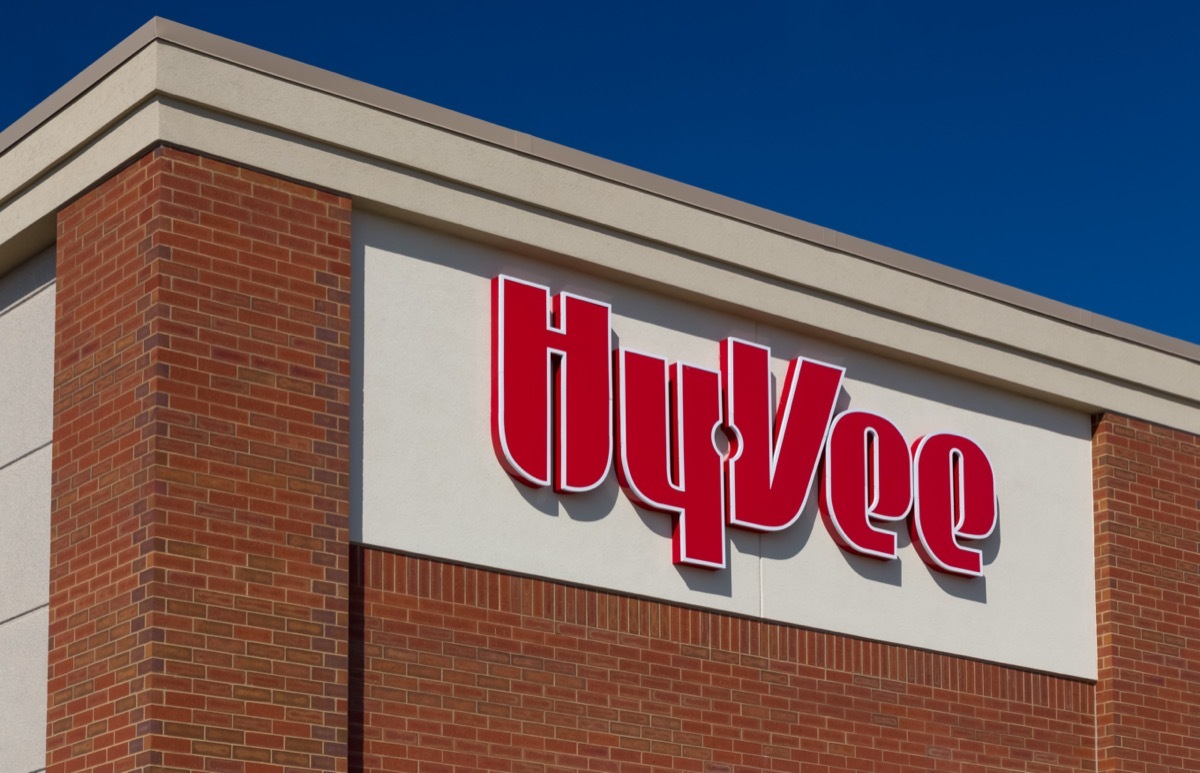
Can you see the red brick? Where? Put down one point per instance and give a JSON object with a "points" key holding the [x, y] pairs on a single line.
{"points": [[201, 612], [669, 688], [145, 658], [1147, 495]]}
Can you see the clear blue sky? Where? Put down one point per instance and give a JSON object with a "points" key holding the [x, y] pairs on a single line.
{"points": [[1053, 146]]}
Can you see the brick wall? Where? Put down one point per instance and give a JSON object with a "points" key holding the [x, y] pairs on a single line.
{"points": [[1147, 485], [203, 615], [465, 670], [198, 615]]}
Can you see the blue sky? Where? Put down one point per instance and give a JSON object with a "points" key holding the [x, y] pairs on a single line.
{"points": [[1052, 146]]}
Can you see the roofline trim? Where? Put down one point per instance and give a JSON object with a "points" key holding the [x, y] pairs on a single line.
{"points": [[309, 76]]}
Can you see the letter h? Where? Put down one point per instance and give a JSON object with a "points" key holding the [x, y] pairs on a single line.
{"points": [[551, 386]]}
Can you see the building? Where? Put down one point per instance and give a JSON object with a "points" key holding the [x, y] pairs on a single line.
{"points": [[288, 483]]}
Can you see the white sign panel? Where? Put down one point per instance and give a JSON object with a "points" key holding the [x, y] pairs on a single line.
{"points": [[990, 556]]}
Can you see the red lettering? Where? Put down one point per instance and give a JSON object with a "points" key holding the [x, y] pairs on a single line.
{"points": [[544, 353], [668, 462], [955, 500], [868, 476], [775, 453], [553, 423]]}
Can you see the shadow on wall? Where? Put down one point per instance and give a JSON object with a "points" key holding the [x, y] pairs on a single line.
{"points": [[26, 279]]}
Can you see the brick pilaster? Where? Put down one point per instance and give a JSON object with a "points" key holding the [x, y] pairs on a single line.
{"points": [[199, 560], [1147, 494]]}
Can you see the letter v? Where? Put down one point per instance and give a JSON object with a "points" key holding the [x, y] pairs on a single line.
{"points": [[770, 473]]}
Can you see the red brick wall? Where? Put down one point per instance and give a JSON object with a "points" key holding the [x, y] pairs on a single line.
{"points": [[1147, 486], [203, 616], [467, 670], [198, 615]]}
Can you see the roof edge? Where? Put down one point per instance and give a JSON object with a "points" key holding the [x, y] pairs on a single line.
{"points": [[77, 86], [344, 87]]}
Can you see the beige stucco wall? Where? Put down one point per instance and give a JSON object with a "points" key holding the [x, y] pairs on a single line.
{"points": [[26, 424], [430, 483]]}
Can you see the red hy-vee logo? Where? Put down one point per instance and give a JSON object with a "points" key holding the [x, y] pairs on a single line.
{"points": [[555, 422]]}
